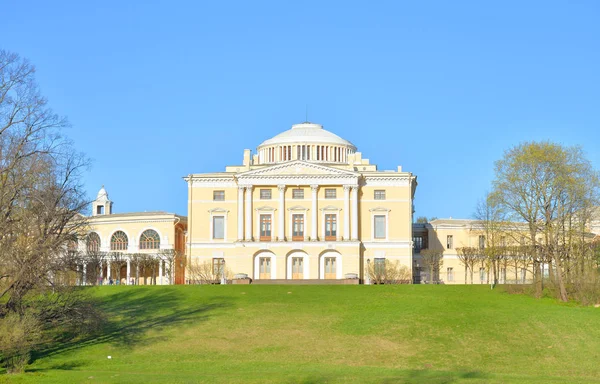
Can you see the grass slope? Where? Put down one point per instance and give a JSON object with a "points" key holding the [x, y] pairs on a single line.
{"points": [[314, 334]]}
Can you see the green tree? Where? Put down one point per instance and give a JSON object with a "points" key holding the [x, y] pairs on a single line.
{"points": [[548, 187]]}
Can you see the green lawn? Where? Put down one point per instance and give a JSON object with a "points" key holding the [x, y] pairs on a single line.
{"points": [[314, 334]]}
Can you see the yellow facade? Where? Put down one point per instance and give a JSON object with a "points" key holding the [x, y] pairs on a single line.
{"points": [[305, 206]]}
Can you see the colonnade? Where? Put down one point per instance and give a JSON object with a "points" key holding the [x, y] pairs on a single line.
{"points": [[312, 152], [244, 232]]}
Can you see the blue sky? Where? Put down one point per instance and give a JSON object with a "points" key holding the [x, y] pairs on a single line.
{"points": [[156, 90]]}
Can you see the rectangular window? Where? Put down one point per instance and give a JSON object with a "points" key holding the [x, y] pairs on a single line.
{"points": [[219, 195], [297, 227], [265, 194], [449, 242], [379, 266], [503, 275], [379, 224], [481, 241], [218, 265], [218, 227], [417, 243], [380, 194], [298, 193], [265, 227], [523, 275], [330, 227], [330, 194], [450, 274], [481, 275]]}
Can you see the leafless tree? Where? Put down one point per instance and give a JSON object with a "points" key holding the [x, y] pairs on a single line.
{"points": [[434, 260], [391, 272]]}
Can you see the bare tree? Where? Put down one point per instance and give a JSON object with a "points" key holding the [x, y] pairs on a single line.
{"points": [[468, 258], [41, 200], [434, 260], [391, 272]]}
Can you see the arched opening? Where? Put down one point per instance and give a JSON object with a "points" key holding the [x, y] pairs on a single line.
{"points": [[265, 265], [297, 265], [330, 265]]}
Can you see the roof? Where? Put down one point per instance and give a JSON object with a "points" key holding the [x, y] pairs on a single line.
{"points": [[307, 133]]}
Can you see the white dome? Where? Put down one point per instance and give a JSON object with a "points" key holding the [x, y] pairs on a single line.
{"points": [[307, 133], [102, 194]]}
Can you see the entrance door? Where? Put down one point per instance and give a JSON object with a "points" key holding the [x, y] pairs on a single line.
{"points": [[265, 268], [330, 268], [297, 268]]}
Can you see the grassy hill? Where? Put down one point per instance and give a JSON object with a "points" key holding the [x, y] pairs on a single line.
{"points": [[314, 334]]}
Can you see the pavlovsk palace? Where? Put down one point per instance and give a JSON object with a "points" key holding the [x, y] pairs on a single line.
{"points": [[306, 206]]}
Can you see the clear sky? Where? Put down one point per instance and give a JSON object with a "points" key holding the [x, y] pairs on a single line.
{"points": [[156, 90]]}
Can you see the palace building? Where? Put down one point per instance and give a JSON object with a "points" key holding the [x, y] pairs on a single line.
{"points": [[306, 205]]}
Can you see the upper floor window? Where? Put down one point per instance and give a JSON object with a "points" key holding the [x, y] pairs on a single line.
{"points": [[265, 194], [218, 227], [119, 241], [379, 223], [219, 195], [449, 242], [93, 242], [330, 193], [380, 194], [298, 193], [481, 241], [418, 243], [149, 239]]}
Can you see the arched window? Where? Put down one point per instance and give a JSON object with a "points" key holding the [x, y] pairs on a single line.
{"points": [[149, 240], [118, 241], [93, 242]]}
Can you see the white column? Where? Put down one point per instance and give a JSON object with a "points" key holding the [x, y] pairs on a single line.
{"points": [[281, 189], [84, 273], [240, 218], [108, 270], [128, 272], [313, 230], [249, 213], [346, 212], [160, 272], [355, 212]]}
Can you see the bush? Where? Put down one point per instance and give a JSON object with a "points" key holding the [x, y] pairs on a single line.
{"points": [[18, 336]]}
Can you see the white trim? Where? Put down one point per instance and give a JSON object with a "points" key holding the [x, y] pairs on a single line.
{"points": [[218, 212], [130, 248], [338, 264], [257, 264], [380, 212], [388, 244], [305, 264], [291, 221], [330, 210], [162, 240], [258, 215]]}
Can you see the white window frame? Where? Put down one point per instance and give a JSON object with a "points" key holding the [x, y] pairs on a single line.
{"points": [[330, 210], [449, 242], [298, 198], [449, 274], [338, 264], [273, 264], [305, 266], [214, 195], [297, 210], [334, 193], [375, 194], [380, 211], [218, 212], [266, 211], [260, 194]]}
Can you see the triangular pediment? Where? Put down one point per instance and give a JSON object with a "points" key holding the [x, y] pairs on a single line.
{"points": [[298, 168]]}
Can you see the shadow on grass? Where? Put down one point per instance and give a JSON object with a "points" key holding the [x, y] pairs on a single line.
{"points": [[407, 377], [131, 314]]}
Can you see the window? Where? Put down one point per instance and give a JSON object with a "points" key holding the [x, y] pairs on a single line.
{"points": [[218, 266], [450, 274], [379, 224], [298, 193], [503, 275], [481, 241], [149, 239], [330, 193], [330, 227], [297, 227], [379, 266], [419, 243], [219, 195], [265, 227], [523, 274], [449, 242], [218, 227], [93, 242], [482, 274], [330, 267], [379, 194], [118, 241], [265, 194]]}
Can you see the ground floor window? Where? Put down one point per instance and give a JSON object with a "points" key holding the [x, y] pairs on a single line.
{"points": [[265, 268], [450, 274], [330, 267], [218, 265]]}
